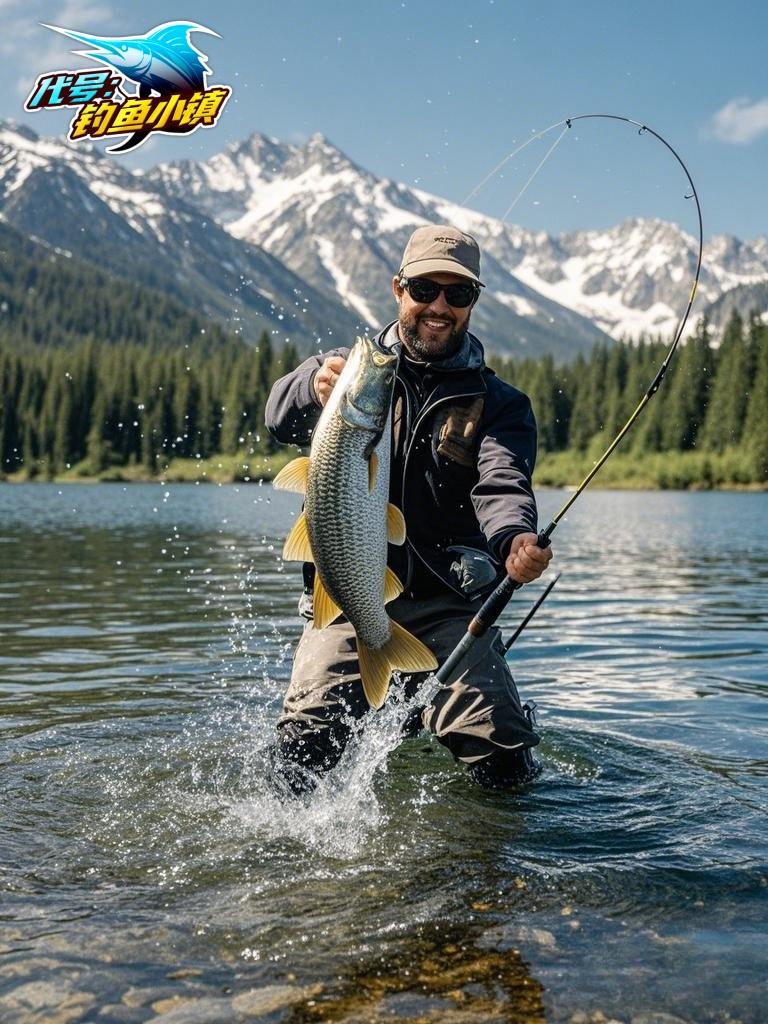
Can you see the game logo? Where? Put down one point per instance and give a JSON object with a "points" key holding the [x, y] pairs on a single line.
{"points": [[170, 91]]}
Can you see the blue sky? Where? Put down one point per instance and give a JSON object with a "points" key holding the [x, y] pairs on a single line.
{"points": [[437, 93]]}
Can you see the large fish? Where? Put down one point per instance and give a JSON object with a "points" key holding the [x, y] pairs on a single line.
{"points": [[347, 519]]}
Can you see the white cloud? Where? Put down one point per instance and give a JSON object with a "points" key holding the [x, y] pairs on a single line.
{"points": [[30, 49], [740, 120]]}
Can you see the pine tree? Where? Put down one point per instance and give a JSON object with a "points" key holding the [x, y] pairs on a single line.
{"points": [[730, 387], [588, 412], [11, 384], [686, 398], [616, 369], [543, 399], [755, 436], [63, 440], [643, 366], [233, 409], [98, 448]]}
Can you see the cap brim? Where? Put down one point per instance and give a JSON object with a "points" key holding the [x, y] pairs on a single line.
{"points": [[442, 266]]}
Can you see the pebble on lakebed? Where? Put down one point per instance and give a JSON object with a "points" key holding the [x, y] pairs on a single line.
{"points": [[434, 979], [249, 1005], [45, 1002]]}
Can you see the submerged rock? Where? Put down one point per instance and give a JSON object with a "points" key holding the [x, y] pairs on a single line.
{"points": [[657, 1017], [435, 980], [33, 965], [198, 1011], [259, 1001], [52, 1002], [119, 1013], [145, 996]]}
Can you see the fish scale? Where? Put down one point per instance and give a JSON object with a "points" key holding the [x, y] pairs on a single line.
{"points": [[347, 519], [353, 571]]}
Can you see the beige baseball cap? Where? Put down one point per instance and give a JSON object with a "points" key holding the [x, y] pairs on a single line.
{"points": [[439, 248]]}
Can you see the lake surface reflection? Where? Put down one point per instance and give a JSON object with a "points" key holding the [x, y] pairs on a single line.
{"points": [[146, 635]]}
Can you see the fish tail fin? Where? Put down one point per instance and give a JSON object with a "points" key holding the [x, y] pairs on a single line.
{"points": [[403, 652]]}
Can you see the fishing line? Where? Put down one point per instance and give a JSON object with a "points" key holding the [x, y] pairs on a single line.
{"points": [[542, 598], [497, 601], [546, 157], [510, 156]]}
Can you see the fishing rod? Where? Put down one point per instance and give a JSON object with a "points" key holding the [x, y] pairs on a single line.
{"points": [[498, 600], [542, 598]]}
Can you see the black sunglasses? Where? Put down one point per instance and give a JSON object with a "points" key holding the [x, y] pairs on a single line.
{"points": [[422, 289]]}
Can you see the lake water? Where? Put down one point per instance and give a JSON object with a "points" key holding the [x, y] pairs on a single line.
{"points": [[148, 872]]}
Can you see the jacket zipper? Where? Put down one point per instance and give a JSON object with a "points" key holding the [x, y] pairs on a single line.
{"points": [[427, 409], [406, 434]]}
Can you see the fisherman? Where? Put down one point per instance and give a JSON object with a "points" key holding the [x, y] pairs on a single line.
{"points": [[463, 452]]}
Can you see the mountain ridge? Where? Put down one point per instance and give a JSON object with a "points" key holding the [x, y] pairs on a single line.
{"points": [[302, 241]]}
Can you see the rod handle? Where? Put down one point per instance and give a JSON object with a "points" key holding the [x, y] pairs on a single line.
{"points": [[497, 601]]}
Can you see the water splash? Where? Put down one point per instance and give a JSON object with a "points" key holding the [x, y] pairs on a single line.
{"points": [[339, 816]]}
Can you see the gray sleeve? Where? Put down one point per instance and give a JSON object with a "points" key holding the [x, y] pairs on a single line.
{"points": [[292, 410], [503, 495]]}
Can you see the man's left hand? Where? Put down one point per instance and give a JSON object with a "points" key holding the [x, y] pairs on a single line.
{"points": [[526, 561]]}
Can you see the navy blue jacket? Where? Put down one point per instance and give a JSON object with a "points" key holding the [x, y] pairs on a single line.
{"points": [[464, 448]]}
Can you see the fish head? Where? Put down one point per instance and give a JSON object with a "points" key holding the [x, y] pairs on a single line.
{"points": [[129, 54], [367, 396], [132, 58]]}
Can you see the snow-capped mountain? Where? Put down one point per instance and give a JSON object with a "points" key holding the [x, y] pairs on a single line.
{"points": [[82, 203], [635, 278], [338, 225], [343, 229], [300, 240]]}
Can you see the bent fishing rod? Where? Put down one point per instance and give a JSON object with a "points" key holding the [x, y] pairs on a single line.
{"points": [[500, 597]]}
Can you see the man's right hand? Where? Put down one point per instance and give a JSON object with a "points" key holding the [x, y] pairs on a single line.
{"points": [[326, 377]]}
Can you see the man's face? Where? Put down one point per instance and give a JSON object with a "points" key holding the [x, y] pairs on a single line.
{"points": [[431, 330]]}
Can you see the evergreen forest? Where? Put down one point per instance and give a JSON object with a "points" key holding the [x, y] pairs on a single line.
{"points": [[94, 407], [101, 379]]}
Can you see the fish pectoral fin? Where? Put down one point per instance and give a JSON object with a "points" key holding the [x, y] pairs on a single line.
{"points": [[293, 477], [324, 608], [297, 547], [392, 586], [395, 525], [403, 651], [373, 470]]}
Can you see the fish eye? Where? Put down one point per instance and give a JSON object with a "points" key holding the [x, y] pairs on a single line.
{"points": [[123, 47]]}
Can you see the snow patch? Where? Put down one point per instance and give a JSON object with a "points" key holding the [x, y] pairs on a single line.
{"points": [[326, 249], [520, 305]]}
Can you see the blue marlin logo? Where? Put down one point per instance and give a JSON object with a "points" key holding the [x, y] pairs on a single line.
{"points": [[163, 60]]}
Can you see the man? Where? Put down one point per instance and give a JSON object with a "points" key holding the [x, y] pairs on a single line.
{"points": [[463, 451]]}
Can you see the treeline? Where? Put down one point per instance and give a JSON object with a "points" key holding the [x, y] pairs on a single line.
{"points": [[101, 405], [714, 399], [49, 299]]}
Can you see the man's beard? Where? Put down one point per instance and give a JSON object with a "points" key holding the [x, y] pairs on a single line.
{"points": [[432, 348]]}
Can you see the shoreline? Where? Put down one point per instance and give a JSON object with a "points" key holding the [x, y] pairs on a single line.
{"points": [[658, 471]]}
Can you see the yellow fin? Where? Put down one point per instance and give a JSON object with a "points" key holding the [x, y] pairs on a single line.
{"points": [[324, 608], [375, 671], [373, 469], [293, 477], [297, 547], [392, 586], [402, 651], [395, 525]]}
